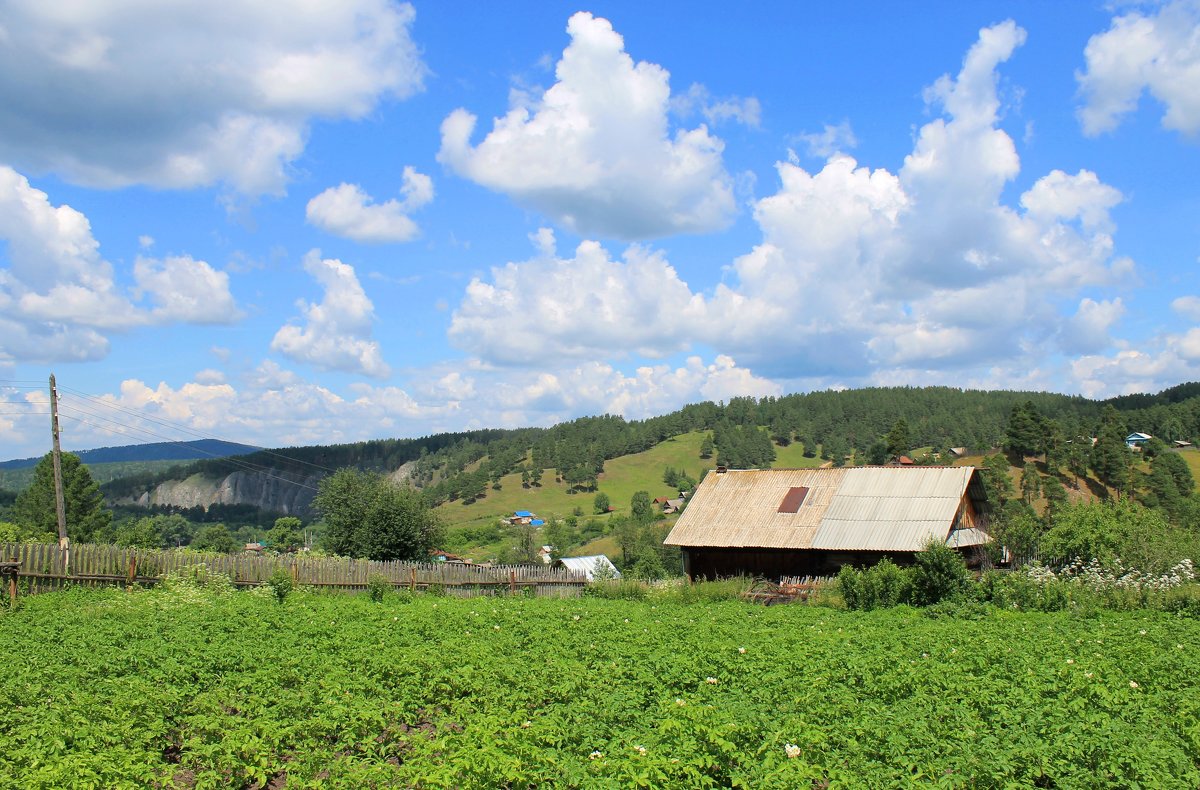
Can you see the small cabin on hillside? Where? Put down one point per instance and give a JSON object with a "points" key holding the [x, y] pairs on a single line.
{"points": [[1135, 440], [809, 522]]}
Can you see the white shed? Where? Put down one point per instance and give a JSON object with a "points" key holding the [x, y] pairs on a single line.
{"points": [[588, 565]]}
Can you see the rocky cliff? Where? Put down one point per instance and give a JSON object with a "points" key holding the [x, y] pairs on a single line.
{"points": [[275, 491]]}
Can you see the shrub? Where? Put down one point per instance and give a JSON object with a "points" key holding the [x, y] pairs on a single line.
{"points": [[281, 584], [885, 585], [378, 586], [850, 583], [939, 574]]}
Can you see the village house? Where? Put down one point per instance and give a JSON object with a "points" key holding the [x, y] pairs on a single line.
{"points": [[810, 522], [1135, 440]]}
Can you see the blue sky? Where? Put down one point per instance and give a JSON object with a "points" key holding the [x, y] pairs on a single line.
{"points": [[364, 218]]}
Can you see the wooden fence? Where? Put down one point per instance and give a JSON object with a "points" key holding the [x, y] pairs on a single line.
{"points": [[43, 568]]}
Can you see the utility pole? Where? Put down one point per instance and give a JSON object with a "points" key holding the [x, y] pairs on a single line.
{"points": [[64, 543]]}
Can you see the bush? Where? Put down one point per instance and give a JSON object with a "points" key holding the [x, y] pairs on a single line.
{"points": [[938, 574], [883, 585], [281, 584], [850, 583], [378, 586]]}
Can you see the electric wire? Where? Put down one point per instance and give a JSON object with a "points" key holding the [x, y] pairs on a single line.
{"points": [[183, 428], [246, 467], [146, 432]]}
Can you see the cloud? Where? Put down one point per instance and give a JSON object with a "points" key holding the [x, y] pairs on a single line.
{"points": [[928, 274], [58, 295], [830, 141], [1157, 52], [1188, 307], [863, 271], [583, 307], [188, 93], [1087, 332], [1165, 361], [272, 406], [746, 111], [337, 331], [185, 289], [596, 152], [347, 211]]}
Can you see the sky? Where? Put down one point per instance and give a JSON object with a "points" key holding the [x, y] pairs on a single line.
{"points": [[288, 224]]}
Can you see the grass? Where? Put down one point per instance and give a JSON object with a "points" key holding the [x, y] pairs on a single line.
{"points": [[1193, 461], [622, 477], [792, 457]]}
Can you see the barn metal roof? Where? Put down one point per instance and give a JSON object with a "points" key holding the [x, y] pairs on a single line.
{"points": [[851, 509], [587, 565]]}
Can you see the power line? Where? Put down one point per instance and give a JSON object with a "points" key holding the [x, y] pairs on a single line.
{"points": [[185, 429], [244, 465], [146, 432]]}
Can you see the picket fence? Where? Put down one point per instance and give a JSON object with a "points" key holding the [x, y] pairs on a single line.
{"points": [[42, 568]]}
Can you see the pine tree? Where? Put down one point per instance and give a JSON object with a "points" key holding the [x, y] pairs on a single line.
{"points": [[36, 510]]}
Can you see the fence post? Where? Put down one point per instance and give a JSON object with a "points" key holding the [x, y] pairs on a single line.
{"points": [[132, 568], [512, 581], [412, 579], [12, 587]]}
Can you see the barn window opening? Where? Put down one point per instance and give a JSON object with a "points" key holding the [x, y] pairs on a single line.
{"points": [[793, 499]]}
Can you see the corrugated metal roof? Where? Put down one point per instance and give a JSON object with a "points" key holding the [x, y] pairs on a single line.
{"points": [[587, 565], [855, 509], [962, 538], [741, 509]]}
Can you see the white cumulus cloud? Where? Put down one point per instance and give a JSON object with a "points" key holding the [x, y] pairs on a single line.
{"points": [[185, 289], [347, 211], [59, 296], [927, 274], [1156, 52], [596, 152], [581, 307], [336, 334], [183, 93]]}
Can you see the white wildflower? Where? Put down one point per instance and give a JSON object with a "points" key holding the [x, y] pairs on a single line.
{"points": [[711, 680], [526, 725], [791, 750], [679, 702], [741, 650], [1133, 684], [596, 755], [640, 750]]}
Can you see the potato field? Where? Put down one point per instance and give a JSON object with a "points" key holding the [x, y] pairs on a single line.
{"points": [[186, 687]]}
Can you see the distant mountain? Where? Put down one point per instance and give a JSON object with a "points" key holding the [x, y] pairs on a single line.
{"points": [[159, 451]]}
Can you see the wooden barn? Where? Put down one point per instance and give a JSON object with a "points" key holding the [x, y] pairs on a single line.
{"points": [[809, 522]]}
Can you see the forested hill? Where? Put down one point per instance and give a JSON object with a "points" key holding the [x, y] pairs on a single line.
{"points": [[463, 465], [157, 451]]}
